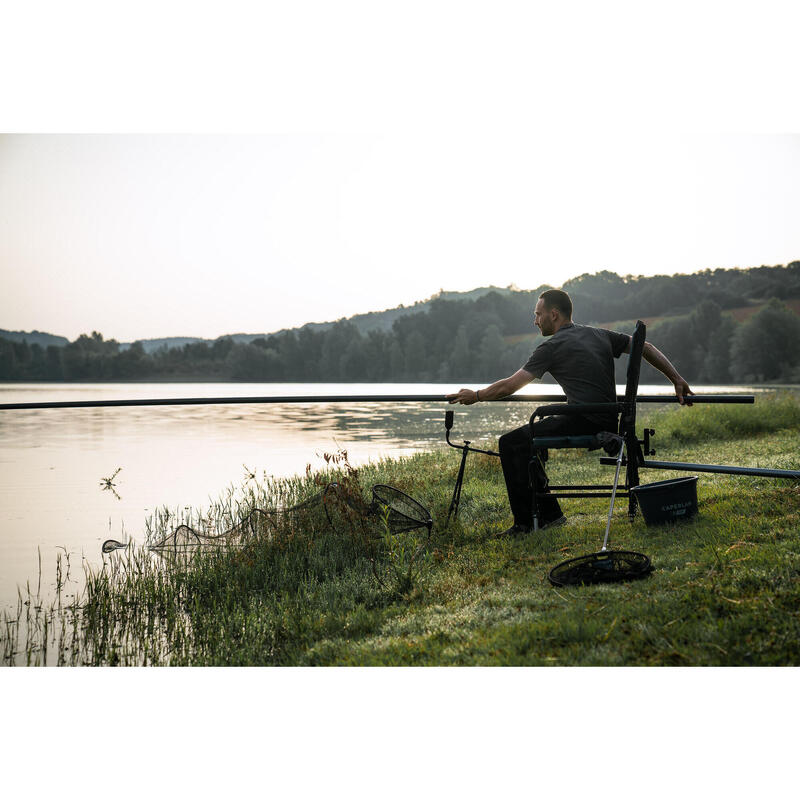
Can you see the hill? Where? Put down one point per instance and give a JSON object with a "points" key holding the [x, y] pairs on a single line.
{"points": [[34, 337], [369, 321], [719, 326], [601, 298], [384, 320]]}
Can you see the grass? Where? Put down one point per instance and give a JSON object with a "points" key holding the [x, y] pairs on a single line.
{"points": [[779, 412], [295, 591]]}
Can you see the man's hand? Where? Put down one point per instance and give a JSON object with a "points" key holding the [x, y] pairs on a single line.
{"points": [[464, 396], [495, 391], [652, 355], [683, 391]]}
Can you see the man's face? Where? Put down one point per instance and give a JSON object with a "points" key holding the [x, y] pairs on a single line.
{"points": [[545, 318]]}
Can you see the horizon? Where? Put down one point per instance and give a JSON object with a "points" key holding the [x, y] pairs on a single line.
{"points": [[435, 295]]}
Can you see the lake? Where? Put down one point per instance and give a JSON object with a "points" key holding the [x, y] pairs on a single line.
{"points": [[53, 462]]}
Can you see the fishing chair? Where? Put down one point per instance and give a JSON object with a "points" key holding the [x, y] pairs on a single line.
{"points": [[624, 408], [625, 411]]}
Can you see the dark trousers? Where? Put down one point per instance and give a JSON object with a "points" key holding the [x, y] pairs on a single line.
{"points": [[516, 455]]}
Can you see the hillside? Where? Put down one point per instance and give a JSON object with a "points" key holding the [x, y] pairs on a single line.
{"points": [[34, 337], [369, 321], [719, 326], [602, 298]]}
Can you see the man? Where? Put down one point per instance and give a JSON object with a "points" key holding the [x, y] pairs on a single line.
{"points": [[581, 359]]}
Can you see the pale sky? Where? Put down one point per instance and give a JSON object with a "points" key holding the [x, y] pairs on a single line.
{"points": [[469, 151]]}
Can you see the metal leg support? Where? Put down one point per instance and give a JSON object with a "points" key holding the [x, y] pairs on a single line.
{"points": [[457, 488]]}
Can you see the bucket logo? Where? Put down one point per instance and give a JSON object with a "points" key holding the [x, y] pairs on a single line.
{"points": [[677, 508]]}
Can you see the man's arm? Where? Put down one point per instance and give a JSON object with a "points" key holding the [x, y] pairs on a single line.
{"points": [[652, 355], [495, 391]]}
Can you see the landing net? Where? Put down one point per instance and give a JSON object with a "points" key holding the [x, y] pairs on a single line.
{"points": [[607, 566], [341, 508]]}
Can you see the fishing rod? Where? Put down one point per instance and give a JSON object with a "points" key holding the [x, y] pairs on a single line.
{"points": [[720, 469], [350, 398]]}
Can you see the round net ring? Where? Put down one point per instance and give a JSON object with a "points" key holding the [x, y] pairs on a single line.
{"points": [[181, 539], [404, 512], [609, 566]]}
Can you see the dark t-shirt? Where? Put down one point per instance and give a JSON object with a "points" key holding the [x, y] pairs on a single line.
{"points": [[581, 359]]}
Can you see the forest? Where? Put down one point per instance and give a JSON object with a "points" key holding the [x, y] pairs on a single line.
{"points": [[717, 326]]}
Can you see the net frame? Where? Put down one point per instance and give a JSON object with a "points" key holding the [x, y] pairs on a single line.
{"points": [[404, 512], [605, 566]]}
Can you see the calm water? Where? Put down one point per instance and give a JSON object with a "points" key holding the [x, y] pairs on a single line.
{"points": [[52, 461]]}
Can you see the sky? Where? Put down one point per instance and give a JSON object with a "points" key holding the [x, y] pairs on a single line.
{"points": [[387, 160]]}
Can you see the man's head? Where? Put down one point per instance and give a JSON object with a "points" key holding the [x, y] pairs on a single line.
{"points": [[553, 310]]}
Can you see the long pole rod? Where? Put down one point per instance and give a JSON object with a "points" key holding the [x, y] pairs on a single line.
{"points": [[350, 398], [721, 469], [761, 472]]}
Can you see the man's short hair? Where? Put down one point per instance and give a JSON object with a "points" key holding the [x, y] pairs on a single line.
{"points": [[555, 298]]}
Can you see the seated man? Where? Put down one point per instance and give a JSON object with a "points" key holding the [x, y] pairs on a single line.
{"points": [[581, 359]]}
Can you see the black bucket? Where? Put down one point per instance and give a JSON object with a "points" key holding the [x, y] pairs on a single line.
{"points": [[667, 501]]}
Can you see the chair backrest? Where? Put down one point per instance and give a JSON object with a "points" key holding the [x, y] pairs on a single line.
{"points": [[635, 361], [628, 418]]}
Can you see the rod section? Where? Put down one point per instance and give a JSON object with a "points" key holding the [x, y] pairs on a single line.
{"points": [[349, 398], [791, 474]]}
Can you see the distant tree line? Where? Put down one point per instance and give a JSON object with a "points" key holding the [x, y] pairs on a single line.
{"points": [[472, 340], [711, 347]]}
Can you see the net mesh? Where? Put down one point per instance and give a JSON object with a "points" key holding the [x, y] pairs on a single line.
{"points": [[340, 508], [258, 520], [607, 566]]}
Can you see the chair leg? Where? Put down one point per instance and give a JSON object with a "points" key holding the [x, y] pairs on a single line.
{"points": [[534, 498]]}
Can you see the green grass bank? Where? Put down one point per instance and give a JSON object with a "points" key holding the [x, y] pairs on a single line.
{"points": [[297, 591]]}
